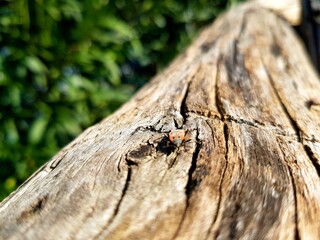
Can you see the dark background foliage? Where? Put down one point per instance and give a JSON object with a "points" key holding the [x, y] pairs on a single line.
{"points": [[65, 65]]}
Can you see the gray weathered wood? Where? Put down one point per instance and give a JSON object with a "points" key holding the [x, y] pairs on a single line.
{"points": [[249, 98]]}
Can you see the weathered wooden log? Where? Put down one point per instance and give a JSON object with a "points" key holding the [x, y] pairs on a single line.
{"points": [[248, 168]]}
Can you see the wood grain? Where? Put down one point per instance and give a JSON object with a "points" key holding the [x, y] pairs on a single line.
{"points": [[247, 95]]}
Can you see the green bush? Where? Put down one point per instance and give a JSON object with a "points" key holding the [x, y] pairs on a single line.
{"points": [[64, 65]]}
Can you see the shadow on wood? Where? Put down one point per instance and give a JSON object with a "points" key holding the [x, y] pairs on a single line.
{"points": [[249, 168]]}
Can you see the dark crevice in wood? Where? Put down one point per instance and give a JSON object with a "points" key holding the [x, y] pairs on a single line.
{"points": [[291, 120], [206, 115], [283, 106], [124, 190], [313, 159], [257, 124], [153, 127], [254, 123], [279, 130], [176, 124], [244, 22], [56, 162], [131, 163], [226, 138], [199, 114], [207, 46], [218, 101], [234, 61], [123, 193], [311, 103], [234, 64], [297, 236], [136, 155], [237, 58], [297, 131], [183, 106], [293, 184], [233, 233], [39, 204], [35, 208], [221, 111], [191, 184], [294, 125], [118, 165], [143, 129]]}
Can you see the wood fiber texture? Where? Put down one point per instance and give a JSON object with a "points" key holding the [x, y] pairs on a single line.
{"points": [[249, 168]]}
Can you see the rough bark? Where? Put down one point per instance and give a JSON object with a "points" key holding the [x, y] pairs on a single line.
{"points": [[249, 169]]}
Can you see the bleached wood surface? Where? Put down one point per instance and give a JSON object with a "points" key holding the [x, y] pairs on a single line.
{"points": [[248, 96], [291, 10]]}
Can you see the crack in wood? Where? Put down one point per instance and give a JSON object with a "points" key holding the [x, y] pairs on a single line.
{"points": [[218, 101], [209, 115], [297, 235], [293, 123], [221, 111], [207, 46], [313, 103], [254, 123], [299, 132], [190, 184], [234, 62], [117, 207], [183, 106], [215, 217], [312, 157], [124, 190], [260, 125], [35, 208]]}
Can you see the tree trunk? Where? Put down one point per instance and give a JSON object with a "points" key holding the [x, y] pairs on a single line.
{"points": [[248, 168]]}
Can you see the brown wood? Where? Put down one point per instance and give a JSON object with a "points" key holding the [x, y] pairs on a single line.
{"points": [[249, 168]]}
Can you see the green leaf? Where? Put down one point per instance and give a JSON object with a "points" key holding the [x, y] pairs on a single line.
{"points": [[121, 27], [79, 81], [112, 68], [35, 65], [12, 135], [37, 129], [14, 95], [10, 183], [54, 12], [3, 79]]}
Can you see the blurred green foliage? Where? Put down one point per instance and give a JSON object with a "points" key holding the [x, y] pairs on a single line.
{"points": [[64, 65]]}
